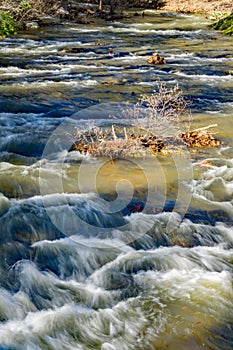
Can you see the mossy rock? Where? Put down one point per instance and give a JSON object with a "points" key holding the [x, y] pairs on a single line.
{"points": [[225, 24]]}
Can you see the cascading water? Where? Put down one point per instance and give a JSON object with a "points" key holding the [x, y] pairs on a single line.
{"points": [[80, 269]]}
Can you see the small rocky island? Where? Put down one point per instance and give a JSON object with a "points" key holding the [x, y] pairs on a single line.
{"points": [[150, 127]]}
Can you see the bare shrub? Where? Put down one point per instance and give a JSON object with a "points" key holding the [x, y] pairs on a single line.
{"points": [[160, 113]]}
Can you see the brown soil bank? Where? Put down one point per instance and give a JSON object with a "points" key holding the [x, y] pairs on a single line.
{"points": [[206, 6]]}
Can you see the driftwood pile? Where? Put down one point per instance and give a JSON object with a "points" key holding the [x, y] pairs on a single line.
{"points": [[152, 142], [105, 143], [108, 144], [200, 138], [81, 147]]}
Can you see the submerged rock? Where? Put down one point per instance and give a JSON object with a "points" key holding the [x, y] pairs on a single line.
{"points": [[73, 50], [133, 207], [31, 25], [49, 20], [4, 204]]}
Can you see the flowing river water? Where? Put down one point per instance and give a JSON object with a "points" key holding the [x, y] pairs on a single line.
{"points": [[78, 268]]}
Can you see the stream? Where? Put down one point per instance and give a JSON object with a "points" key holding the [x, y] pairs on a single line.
{"points": [[80, 267]]}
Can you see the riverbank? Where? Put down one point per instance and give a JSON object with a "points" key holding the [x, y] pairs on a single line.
{"points": [[206, 6], [30, 15]]}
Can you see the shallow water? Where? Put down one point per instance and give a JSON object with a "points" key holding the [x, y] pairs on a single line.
{"points": [[79, 268]]}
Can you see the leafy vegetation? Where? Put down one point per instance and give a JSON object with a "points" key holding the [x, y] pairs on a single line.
{"points": [[7, 24], [27, 10], [25, 5], [225, 24]]}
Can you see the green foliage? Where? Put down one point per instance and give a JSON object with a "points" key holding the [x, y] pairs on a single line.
{"points": [[7, 24], [25, 5], [225, 24]]}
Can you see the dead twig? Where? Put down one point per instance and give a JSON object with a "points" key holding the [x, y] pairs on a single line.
{"points": [[206, 127]]}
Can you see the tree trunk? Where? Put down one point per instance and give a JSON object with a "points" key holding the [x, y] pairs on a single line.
{"points": [[101, 5]]}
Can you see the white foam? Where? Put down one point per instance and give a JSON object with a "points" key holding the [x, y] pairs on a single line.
{"points": [[210, 79], [46, 83]]}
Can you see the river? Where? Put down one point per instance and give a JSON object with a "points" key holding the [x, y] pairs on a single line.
{"points": [[79, 269]]}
